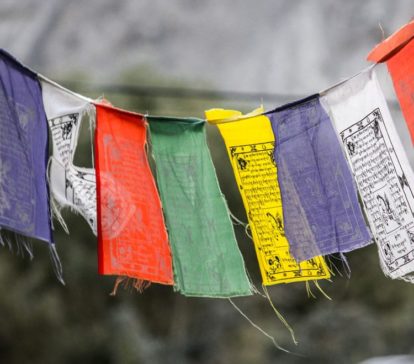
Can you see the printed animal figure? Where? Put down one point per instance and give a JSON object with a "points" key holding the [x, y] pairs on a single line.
{"points": [[242, 163], [403, 181], [389, 257], [351, 148], [376, 129], [67, 130], [272, 157], [68, 126], [276, 222], [388, 213], [275, 261], [313, 263]]}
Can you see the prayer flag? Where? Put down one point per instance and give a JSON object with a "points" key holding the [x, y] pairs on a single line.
{"points": [[132, 239], [71, 186], [250, 145], [24, 207], [380, 166], [320, 205], [207, 261]]}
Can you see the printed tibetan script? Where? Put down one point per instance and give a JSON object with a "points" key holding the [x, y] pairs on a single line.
{"points": [[250, 144], [257, 172], [386, 194]]}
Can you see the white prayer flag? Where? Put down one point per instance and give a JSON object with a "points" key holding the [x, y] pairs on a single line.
{"points": [[380, 166], [70, 185]]}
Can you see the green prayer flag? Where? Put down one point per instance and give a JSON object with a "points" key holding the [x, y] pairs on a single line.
{"points": [[207, 261]]}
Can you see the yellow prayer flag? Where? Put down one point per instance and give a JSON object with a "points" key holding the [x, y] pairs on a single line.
{"points": [[250, 143]]}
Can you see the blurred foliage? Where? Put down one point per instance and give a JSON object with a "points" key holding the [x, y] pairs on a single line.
{"points": [[44, 322]]}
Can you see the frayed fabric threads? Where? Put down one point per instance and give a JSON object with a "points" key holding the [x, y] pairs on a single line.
{"points": [[320, 205], [250, 145], [380, 166], [130, 284], [16, 243], [57, 265], [207, 261]]}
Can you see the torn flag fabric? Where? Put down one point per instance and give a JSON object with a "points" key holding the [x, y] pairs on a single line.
{"points": [[207, 261], [398, 52], [71, 186], [380, 166], [24, 207], [320, 205], [250, 145], [132, 238]]}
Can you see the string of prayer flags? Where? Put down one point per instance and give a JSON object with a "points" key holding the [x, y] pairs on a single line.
{"points": [[132, 238], [320, 205], [250, 144], [207, 261], [382, 172], [298, 170], [71, 186], [398, 52], [24, 206]]}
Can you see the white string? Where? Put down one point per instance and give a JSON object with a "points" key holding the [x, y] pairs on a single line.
{"points": [[279, 315], [259, 328], [367, 69], [45, 79]]}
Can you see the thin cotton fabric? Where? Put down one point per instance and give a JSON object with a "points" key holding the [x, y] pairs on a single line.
{"points": [[24, 206], [71, 186], [320, 205], [207, 261], [382, 172], [398, 52], [132, 238], [250, 145]]}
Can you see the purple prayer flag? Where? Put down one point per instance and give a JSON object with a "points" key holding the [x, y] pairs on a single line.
{"points": [[24, 206], [320, 205]]}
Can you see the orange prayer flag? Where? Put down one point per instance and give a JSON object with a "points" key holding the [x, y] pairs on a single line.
{"points": [[390, 46], [132, 238], [398, 52]]}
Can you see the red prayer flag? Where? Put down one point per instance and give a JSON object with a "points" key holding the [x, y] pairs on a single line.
{"points": [[398, 52], [390, 46], [132, 238]]}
